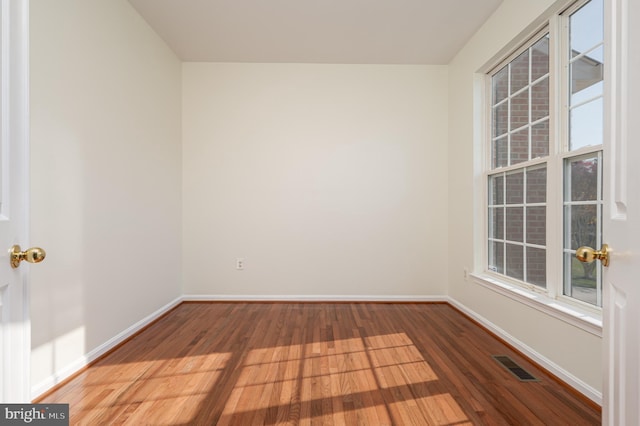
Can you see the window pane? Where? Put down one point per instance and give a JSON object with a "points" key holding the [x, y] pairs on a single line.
{"points": [[540, 140], [583, 226], [515, 261], [586, 72], [584, 179], [586, 125], [583, 279], [520, 146], [515, 188], [496, 257], [586, 77], [590, 92], [500, 84], [500, 119], [537, 266], [514, 226], [537, 225], [537, 185], [540, 58], [496, 223], [496, 190], [520, 72], [587, 26], [540, 100], [500, 151], [520, 110]]}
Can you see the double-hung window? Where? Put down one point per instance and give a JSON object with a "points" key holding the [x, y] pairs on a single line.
{"points": [[543, 173]]}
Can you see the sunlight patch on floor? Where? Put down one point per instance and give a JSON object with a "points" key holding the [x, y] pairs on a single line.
{"points": [[326, 377], [439, 409], [150, 389]]}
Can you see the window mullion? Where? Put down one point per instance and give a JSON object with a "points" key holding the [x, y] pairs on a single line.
{"points": [[508, 136], [558, 105]]}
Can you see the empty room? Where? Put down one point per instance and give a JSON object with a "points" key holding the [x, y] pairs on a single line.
{"points": [[408, 212]]}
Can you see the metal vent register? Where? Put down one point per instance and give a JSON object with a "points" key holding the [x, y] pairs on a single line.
{"points": [[522, 374]]}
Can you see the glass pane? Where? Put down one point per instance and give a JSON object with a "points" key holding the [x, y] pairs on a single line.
{"points": [[496, 257], [537, 185], [586, 73], [500, 82], [587, 26], [501, 119], [500, 152], [520, 146], [515, 220], [583, 226], [515, 261], [515, 188], [496, 223], [583, 279], [496, 190], [537, 266], [540, 58], [540, 100], [540, 140], [584, 179], [590, 92], [520, 72], [586, 125], [537, 225], [520, 110]]}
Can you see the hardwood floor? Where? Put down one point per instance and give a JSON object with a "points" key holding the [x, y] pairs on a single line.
{"points": [[305, 363]]}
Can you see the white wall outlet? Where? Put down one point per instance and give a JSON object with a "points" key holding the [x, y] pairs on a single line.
{"points": [[240, 263]]}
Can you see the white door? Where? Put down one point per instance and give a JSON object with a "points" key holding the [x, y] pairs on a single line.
{"points": [[14, 313], [622, 220]]}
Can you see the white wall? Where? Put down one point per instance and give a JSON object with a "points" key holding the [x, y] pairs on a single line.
{"points": [[106, 180], [326, 179], [572, 349]]}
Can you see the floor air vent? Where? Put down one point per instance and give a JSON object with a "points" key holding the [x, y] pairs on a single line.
{"points": [[522, 374]]}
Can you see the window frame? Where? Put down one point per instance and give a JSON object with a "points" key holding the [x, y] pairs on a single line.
{"points": [[550, 299], [488, 138]]}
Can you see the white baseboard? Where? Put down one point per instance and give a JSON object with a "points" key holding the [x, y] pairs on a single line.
{"points": [[571, 380], [69, 370], [309, 298]]}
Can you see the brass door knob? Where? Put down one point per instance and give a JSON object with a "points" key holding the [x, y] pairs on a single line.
{"points": [[587, 254], [32, 255]]}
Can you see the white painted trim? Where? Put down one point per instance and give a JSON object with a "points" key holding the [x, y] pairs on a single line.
{"points": [[309, 298], [16, 75], [571, 380], [69, 370], [584, 320]]}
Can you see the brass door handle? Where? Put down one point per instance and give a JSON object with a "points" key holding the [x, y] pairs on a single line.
{"points": [[32, 255], [587, 254]]}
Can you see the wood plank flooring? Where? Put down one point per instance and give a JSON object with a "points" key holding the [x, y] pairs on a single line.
{"points": [[311, 364]]}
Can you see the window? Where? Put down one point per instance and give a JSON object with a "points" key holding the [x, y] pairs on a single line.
{"points": [[544, 185], [517, 180]]}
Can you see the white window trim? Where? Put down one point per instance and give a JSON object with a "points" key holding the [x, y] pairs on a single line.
{"points": [[549, 301], [584, 319]]}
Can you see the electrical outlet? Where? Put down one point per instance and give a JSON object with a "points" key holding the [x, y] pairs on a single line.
{"points": [[465, 273], [239, 264]]}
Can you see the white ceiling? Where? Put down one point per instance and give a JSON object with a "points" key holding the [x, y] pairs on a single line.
{"points": [[316, 31]]}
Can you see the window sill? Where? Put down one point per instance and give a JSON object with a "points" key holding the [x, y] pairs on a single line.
{"points": [[581, 318]]}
